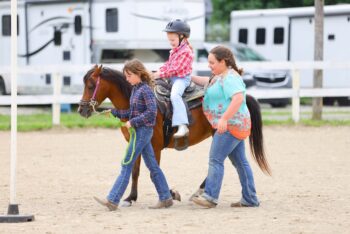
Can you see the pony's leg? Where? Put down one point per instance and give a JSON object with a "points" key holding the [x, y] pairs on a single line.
{"points": [[135, 176]]}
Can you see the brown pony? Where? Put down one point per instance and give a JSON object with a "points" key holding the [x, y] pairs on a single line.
{"points": [[101, 83]]}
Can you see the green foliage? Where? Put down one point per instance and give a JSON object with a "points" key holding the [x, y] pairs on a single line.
{"points": [[218, 32]]}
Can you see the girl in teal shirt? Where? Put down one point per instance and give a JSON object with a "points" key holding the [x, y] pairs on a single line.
{"points": [[225, 108]]}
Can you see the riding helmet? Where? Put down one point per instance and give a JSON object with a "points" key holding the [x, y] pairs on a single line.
{"points": [[178, 26]]}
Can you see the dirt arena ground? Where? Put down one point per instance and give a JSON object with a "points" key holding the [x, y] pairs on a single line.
{"points": [[59, 171]]}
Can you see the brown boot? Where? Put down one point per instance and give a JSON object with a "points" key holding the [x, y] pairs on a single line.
{"points": [[238, 204], [176, 195], [163, 204], [203, 202], [196, 194], [111, 206]]}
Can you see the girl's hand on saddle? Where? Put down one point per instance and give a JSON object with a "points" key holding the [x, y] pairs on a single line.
{"points": [[222, 126], [155, 75]]}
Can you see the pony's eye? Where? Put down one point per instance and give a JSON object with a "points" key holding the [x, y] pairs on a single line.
{"points": [[90, 87]]}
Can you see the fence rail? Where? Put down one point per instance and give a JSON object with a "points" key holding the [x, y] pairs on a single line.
{"points": [[295, 93]]}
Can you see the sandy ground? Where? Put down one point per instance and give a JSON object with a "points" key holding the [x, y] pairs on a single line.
{"points": [[60, 170]]}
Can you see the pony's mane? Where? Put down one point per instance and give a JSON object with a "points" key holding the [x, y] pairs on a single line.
{"points": [[114, 76]]}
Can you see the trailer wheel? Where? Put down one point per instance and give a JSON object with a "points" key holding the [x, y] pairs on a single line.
{"points": [[2, 87]]}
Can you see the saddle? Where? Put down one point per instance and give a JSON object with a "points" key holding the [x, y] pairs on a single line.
{"points": [[192, 99]]}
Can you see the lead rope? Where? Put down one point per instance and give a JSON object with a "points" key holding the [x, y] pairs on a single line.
{"points": [[132, 133]]}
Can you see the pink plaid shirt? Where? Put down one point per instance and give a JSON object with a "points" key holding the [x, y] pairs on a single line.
{"points": [[179, 63]]}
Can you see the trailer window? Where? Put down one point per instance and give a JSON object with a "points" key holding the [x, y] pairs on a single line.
{"points": [[243, 35], [66, 81], [116, 56], [6, 25], [278, 35], [78, 24], [112, 20], [260, 36], [66, 55]]}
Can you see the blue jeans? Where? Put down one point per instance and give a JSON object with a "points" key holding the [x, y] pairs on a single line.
{"points": [[142, 146], [177, 90], [224, 145]]}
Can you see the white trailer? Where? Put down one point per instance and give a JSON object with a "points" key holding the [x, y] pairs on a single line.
{"points": [[91, 31], [138, 29], [47, 35], [288, 35]]}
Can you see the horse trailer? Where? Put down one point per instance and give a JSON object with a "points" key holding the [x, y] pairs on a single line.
{"points": [[54, 32], [288, 35]]}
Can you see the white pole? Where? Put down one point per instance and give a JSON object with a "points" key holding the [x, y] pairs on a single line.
{"points": [[56, 105], [296, 96], [13, 212], [13, 101]]}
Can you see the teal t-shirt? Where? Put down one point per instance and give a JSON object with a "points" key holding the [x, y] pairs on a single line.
{"points": [[218, 97]]}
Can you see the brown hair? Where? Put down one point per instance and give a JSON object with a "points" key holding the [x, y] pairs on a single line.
{"points": [[223, 53], [136, 66]]}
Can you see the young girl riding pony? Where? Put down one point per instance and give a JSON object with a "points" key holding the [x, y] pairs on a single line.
{"points": [[178, 69]]}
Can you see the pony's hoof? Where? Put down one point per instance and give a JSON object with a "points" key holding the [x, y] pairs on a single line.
{"points": [[175, 194], [196, 194], [125, 204]]}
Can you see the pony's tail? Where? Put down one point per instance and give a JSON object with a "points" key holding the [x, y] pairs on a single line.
{"points": [[256, 140]]}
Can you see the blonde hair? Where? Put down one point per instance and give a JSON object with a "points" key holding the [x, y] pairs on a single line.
{"points": [[136, 66]]}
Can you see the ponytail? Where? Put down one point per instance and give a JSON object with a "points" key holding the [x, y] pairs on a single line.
{"points": [[188, 43]]}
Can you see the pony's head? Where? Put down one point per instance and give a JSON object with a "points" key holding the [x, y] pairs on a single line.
{"points": [[101, 83], [92, 95]]}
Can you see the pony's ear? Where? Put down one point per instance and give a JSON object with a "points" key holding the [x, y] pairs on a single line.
{"points": [[97, 70]]}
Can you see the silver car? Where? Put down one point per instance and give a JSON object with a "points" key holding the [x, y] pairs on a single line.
{"points": [[259, 79]]}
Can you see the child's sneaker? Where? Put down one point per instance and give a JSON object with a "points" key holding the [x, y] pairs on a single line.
{"points": [[181, 131]]}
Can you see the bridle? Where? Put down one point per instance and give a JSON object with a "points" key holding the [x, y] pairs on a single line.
{"points": [[92, 102]]}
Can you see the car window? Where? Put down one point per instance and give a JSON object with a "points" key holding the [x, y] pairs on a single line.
{"points": [[247, 54]]}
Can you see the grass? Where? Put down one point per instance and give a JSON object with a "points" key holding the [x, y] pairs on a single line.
{"points": [[44, 121], [306, 122]]}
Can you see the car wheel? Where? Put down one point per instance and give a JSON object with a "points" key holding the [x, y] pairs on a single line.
{"points": [[343, 101], [328, 101], [2, 87], [278, 105]]}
